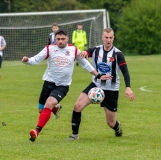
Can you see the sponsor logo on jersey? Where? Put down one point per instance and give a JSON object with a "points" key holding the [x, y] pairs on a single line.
{"points": [[104, 68], [67, 53], [110, 59], [61, 61]]}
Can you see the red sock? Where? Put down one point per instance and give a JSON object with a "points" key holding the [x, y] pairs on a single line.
{"points": [[44, 117]]}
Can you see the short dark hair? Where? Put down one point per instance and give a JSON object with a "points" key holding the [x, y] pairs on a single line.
{"points": [[61, 32], [79, 24], [55, 24]]}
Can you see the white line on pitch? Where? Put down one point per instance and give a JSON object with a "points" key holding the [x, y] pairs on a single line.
{"points": [[146, 90]]}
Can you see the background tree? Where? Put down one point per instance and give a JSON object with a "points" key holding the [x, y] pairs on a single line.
{"points": [[45, 5], [3, 6], [139, 28], [114, 8]]}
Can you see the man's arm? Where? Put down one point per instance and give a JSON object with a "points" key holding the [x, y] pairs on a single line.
{"points": [[126, 75], [35, 59], [86, 65], [128, 92], [87, 53], [99, 76], [3, 47]]}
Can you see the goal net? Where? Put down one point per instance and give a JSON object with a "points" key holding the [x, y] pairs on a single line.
{"points": [[26, 34]]}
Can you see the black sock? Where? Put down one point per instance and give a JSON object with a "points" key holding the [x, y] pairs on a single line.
{"points": [[116, 126], [76, 119], [38, 128]]}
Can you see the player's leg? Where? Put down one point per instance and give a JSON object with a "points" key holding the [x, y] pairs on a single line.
{"points": [[81, 103], [110, 107], [43, 117], [56, 96], [112, 122], [46, 90], [0, 61], [60, 92], [55, 110]]}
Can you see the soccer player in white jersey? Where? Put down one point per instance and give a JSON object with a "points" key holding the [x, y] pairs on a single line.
{"points": [[106, 59], [58, 75], [2, 47]]}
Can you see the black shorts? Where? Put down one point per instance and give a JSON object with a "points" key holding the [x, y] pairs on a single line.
{"points": [[111, 98], [50, 89]]}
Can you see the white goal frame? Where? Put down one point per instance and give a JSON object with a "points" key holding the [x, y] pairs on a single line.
{"points": [[105, 21]]}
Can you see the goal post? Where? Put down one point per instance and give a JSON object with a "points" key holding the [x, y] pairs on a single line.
{"points": [[27, 33]]}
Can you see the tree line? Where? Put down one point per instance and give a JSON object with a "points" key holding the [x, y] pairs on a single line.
{"points": [[136, 23]]}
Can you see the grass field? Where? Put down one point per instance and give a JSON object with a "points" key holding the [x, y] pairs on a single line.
{"points": [[20, 86]]}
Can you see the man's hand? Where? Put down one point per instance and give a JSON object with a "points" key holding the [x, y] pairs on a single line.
{"points": [[84, 54], [104, 77], [25, 59], [129, 94]]}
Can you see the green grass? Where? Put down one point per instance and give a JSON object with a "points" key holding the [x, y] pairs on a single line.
{"points": [[20, 87]]}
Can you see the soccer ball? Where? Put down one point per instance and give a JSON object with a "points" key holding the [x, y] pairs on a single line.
{"points": [[96, 95]]}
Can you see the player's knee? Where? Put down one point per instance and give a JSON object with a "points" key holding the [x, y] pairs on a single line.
{"points": [[78, 107], [49, 104]]}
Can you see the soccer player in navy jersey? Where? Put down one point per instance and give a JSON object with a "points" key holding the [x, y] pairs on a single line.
{"points": [[107, 60], [58, 75]]}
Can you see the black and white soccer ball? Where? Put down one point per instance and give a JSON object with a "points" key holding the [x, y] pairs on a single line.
{"points": [[96, 95]]}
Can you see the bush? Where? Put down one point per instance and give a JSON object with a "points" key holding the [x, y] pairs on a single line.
{"points": [[139, 28]]}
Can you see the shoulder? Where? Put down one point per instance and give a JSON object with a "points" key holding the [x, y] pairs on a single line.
{"points": [[70, 44], [99, 46], [116, 49], [118, 53], [50, 46], [94, 49], [72, 48], [1, 37], [51, 34]]}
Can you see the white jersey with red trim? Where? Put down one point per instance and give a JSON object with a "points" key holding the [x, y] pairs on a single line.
{"points": [[60, 63]]}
